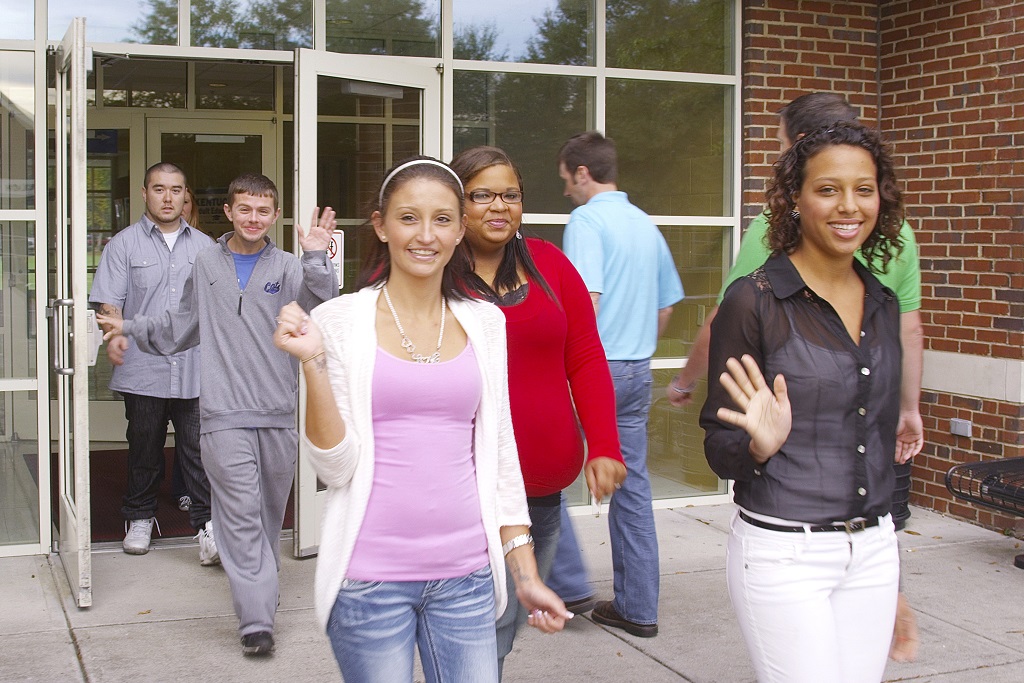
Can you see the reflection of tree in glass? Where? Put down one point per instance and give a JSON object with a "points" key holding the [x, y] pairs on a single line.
{"points": [[383, 27], [671, 137], [159, 26], [474, 90], [531, 115], [565, 35], [670, 35], [255, 24], [477, 42]]}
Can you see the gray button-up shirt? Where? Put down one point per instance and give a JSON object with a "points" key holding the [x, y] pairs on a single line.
{"points": [[141, 276]]}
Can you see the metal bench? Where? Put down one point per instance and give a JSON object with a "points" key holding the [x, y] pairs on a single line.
{"points": [[997, 484]]}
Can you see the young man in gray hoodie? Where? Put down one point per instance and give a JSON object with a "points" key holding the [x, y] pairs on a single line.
{"points": [[247, 405]]}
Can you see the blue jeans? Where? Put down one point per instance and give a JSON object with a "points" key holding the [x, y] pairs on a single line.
{"points": [[544, 528], [569, 577], [375, 625], [630, 515]]}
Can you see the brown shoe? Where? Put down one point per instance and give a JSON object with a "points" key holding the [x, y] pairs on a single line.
{"points": [[606, 615]]}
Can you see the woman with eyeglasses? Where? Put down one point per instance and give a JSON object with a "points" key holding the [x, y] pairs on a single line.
{"points": [[555, 357]]}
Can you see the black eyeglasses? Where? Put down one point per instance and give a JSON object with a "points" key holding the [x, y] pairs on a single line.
{"points": [[486, 196]]}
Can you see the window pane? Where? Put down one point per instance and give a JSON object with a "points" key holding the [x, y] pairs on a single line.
{"points": [[17, 132], [17, 299], [345, 97], [547, 31], [674, 143], [142, 82], [211, 162], [154, 22], [671, 35], [700, 255], [384, 27], [529, 116], [108, 199], [675, 445], [19, 462], [253, 24], [350, 166], [229, 85], [18, 23]]}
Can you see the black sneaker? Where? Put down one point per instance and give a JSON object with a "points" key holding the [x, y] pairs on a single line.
{"points": [[257, 644], [582, 605]]}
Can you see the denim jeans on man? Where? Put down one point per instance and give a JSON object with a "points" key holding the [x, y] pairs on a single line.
{"points": [[147, 418], [545, 528], [568, 576], [375, 626], [631, 530], [630, 515]]}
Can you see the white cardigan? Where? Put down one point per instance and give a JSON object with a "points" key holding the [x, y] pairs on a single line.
{"points": [[350, 340]]}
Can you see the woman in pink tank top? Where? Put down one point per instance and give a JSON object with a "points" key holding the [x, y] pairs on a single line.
{"points": [[408, 425]]}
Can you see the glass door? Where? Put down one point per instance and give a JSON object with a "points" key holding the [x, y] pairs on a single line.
{"points": [[212, 152], [68, 313], [355, 116]]}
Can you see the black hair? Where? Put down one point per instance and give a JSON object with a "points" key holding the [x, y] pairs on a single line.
{"points": [[467, 164], [814, 110], [884, 243], [162, 167]]}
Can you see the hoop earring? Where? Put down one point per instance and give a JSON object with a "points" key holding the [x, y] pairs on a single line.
{"points": [[519, 235]]}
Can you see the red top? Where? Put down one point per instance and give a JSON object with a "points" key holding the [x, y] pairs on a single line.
{"points": [[547, 345]]}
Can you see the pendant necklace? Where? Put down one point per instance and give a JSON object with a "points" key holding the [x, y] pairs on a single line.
{"points": [[407, 344]]}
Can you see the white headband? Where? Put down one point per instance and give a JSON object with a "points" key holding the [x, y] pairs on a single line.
{"points": [[432, 162]]}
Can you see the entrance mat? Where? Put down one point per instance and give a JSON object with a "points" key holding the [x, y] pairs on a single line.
{"points": [[108, 478]]}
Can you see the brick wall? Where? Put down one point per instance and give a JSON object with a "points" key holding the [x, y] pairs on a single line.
{"points": [[952, 102], [793, 47], [996, 433], [945, 82]]}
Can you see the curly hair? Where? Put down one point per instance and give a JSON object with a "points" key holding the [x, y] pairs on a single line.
{"points": [[884, 243]]}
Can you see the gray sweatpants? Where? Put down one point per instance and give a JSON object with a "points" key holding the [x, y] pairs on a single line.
{"points": [[250, 472]]}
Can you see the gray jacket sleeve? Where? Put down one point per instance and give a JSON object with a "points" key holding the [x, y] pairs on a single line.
{"points": [[171, 332], [319, 282]]}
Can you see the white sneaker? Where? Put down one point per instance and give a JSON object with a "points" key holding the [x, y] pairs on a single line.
{"points": [[138, 534], [208, 555]]}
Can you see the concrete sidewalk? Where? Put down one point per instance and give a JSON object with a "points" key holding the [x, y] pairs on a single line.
{"points": [[162, 617]]}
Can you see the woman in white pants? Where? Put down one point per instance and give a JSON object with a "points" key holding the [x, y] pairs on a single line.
{"points": [[813, 567]]}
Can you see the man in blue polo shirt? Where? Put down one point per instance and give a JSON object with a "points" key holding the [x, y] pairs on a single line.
{"points": [[629, 272]]}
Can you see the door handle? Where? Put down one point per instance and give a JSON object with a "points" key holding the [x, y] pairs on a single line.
{"points": [[55, 304]]}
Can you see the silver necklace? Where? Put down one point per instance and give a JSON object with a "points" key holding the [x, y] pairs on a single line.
{"points": [[407, 344]]}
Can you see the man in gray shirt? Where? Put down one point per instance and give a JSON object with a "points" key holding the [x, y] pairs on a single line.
{"points": [[142, 272], [250, 387]]}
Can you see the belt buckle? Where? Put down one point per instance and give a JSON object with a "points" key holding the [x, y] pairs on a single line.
{"points": [[856, 524]]}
